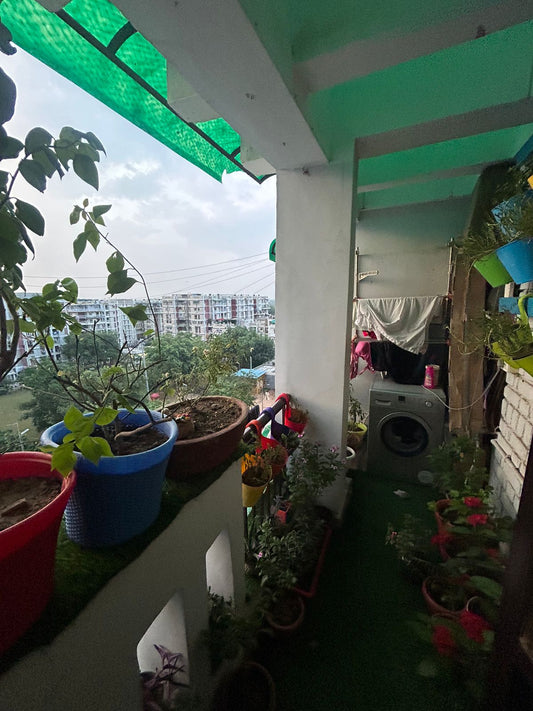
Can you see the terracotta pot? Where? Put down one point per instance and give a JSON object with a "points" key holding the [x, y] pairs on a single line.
{"points": [[434, 607], [27, 549], [196, 456], [291, 601], [248, 688], [443, 526]]}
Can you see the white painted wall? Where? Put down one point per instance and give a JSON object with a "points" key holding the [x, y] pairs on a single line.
{"points": [[314, 281], [409, 248], [92, 665]]}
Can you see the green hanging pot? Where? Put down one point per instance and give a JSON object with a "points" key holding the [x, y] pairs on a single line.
{"points": [[492, 270]]}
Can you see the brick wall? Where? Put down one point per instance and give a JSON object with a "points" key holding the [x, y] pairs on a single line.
{"points": [[511, 447]]}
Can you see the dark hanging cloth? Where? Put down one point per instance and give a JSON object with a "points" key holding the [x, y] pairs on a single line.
{"points": [[403, 366]]}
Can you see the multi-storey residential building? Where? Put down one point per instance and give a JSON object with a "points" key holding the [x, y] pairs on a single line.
{"points": [[208, 314], [201, 314]]}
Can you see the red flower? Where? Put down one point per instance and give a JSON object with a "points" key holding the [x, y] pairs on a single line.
{"points": [[474, 625], [473, 502], [443, 641], [493, 553], [477, 519], [441, 539]]}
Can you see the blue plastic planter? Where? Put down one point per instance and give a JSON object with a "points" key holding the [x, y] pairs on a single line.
{"points": [[517, 258], [120, 496]]}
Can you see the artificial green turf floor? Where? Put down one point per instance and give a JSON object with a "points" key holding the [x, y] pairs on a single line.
{"points": [[356, 650]]}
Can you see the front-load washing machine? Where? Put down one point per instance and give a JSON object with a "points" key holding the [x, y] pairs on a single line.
{"points": [[405, 423]]}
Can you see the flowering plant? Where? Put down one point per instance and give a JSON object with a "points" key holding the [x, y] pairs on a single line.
{"points": [[463, 643]]}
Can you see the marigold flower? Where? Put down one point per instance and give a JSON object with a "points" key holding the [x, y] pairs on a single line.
{"points": [[473, 502], [477, 519], [443, 641], [474, 625]]}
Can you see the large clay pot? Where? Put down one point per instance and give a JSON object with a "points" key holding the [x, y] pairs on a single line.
{"points": [[196, 456], [287, 615]]}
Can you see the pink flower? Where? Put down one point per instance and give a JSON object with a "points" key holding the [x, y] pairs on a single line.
{"points": [[474, 625], [477, 519], [473, 502], [443, 641]]}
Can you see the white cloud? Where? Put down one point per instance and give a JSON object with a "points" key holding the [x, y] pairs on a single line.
{"points": [[111, 172]]}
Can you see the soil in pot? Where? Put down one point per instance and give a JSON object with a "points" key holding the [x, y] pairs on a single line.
{"points": [[255, 476], [207, 414], [138, 441], [20, 498]]}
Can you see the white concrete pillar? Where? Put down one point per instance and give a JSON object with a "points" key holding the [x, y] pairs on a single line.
{"points": [[314, 290]]}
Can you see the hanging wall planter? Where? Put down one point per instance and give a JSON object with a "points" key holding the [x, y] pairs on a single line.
{"points": [[517, 258], [492, 270], [255, 478], [119, 497], [27, 548]]}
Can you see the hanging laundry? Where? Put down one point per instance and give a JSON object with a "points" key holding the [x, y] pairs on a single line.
{"points": [[401, 320], [360, 349]]}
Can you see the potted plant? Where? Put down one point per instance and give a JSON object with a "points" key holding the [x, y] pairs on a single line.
{"points": [[214, 423], [516, 219], [508, 336], [479, 247], [458, 465], [162, 688], [256, 474], [356, 428], [33, 498], [272, 451], [460, 644], [119, 447], [28, 545], [295, 417], [250, 687], [412, 543]]}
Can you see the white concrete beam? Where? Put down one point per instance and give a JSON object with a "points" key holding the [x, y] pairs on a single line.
{"points": [[472, 123], [183, 98], [363, 57], [217, 51]]}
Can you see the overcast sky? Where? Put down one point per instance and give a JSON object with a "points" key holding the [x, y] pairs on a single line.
{"points": [[184, 230]]}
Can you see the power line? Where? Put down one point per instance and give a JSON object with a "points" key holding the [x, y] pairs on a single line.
{"points": [[168, 271]]}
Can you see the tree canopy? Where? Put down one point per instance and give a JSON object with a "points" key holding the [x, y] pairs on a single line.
{"points": [[91, 348]]}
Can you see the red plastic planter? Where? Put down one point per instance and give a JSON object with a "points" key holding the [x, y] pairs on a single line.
{"points": [[27, 549], [269, 443], [298, 427]]}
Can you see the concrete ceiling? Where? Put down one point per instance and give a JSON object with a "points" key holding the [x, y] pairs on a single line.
{"points": [[428, 92]]}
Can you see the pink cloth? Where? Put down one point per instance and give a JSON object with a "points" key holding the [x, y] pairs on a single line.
{"points": [[360, 349]]}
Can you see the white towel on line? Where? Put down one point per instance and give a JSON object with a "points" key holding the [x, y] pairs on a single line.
{"points": [[402, 320]]}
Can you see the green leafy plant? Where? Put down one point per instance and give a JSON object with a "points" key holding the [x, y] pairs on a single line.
{"points": [[476, 245], [228, 634], [311, 469], [461, 645], [36, 160], [459, 465]]}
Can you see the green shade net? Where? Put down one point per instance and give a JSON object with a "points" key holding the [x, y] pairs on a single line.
{"points": [[209, 145]]}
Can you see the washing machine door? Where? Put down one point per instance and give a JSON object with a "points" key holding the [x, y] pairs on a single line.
{"points": [[404, 435]]}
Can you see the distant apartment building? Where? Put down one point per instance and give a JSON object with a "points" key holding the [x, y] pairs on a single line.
{"points": [[200, 314], [209, 314]]}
